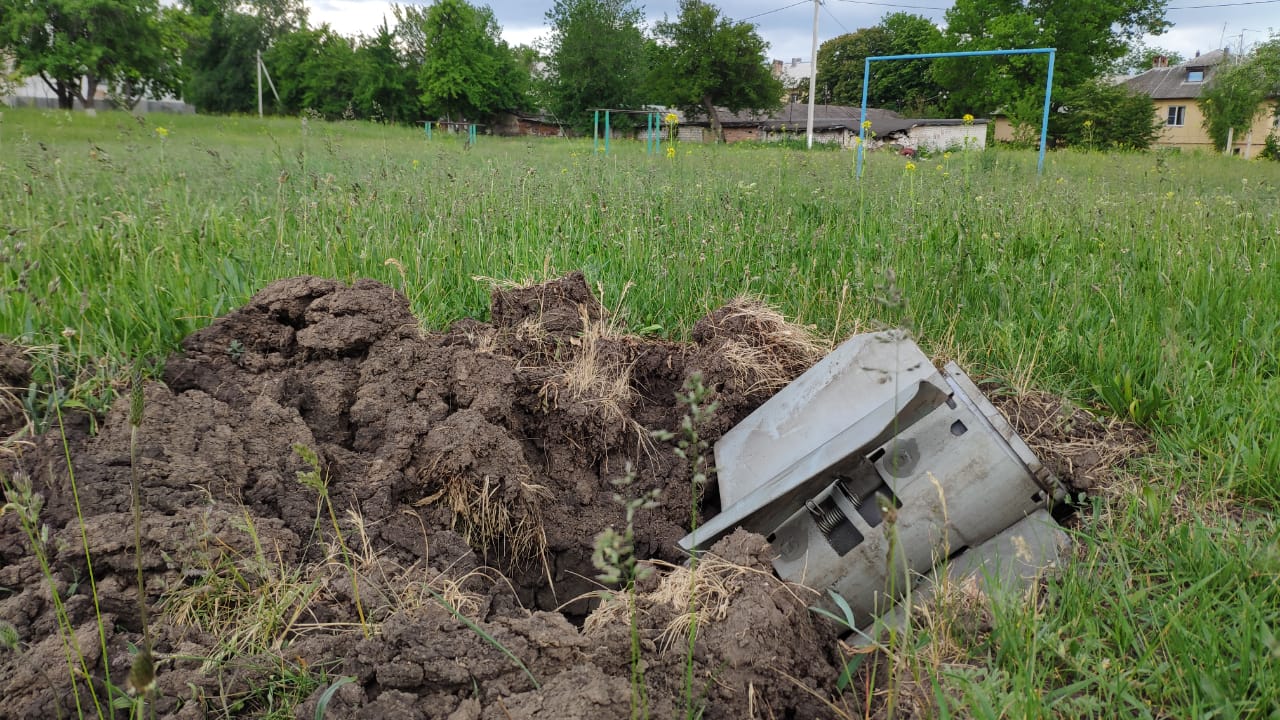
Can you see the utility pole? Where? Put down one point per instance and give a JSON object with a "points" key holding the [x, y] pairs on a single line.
{"points": [[813, 72], [262, 70]]}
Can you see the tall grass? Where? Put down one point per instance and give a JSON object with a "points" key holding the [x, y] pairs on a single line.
{"points": [[1144, 283]]}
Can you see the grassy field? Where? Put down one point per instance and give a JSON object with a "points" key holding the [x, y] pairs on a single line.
{"points": [[1145, 284]]}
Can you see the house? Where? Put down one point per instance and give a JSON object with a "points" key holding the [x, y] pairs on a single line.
{"points": [[840, 124], [1174, 92], [516, 124], [34, 92], [794, 77]]}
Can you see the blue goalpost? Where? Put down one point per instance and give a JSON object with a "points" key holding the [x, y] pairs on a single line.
{"points": [[1048, 89]]}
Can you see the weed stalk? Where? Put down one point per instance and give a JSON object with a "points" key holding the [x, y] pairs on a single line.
{"points": [[316, 479], [615, 557], [142, 673], [24, 502], [692, 447], [88, 559]]}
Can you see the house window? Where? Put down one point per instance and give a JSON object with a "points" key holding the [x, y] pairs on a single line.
{"points": [[1177, 115], [1195, 76]]}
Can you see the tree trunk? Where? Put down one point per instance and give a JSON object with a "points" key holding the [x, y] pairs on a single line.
{"points": [[91, 83], [61, 90], [717, 132]]}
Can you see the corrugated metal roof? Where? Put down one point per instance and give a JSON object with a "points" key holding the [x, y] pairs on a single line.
{"points": [[1171, 83]]}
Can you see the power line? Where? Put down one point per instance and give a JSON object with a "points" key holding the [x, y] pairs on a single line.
{"points": [[1218, 5], [770, 12], [1172, 7], [833, 17], [913, 7]]}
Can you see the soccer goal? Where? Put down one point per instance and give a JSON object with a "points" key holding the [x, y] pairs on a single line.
{"points": [[1048, 89]]}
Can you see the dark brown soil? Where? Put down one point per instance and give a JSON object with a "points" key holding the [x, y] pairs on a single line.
{"points": [[15, 375], [469, 470], [1086, 451]]}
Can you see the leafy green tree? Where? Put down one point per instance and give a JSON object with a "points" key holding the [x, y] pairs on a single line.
{"points": [[223, 63], [1101, 115], [221, 57], [467, 71], [1142, 58], [1237, 93], [165, 58], [1090, 35], [596, 58], [77, 45], [705, 61], [314, 70], [905, 86], [386, 89], [841, 61]]}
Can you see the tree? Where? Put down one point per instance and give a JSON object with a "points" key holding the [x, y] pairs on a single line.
{"points": [[314, 70], [385, 87], [221, 58], [1090, 35], [1236, 94], [77, 45], [468, 72], [705, 61], [596, 58], [167, 76], [841, 61], [1098, 115], [904, 86], [1142, 58]]}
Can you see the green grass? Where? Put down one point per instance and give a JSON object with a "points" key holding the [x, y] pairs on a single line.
{"points": [[1145, 283]]}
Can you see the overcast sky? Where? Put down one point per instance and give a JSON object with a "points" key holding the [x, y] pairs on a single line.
{"points": [[787, 25]]}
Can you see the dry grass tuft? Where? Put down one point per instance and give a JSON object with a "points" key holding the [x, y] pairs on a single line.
{"points": [[593, 377], [1086, 451], [766, 351], [250, 602], [486, 520], [714, 586], [12, 439]]}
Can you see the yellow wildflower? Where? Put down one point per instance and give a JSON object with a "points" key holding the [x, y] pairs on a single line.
{"points": [[866, 124], [162, 132], [1088, 123], [911, 167], [671, 119], [946, 156], [671, 151], [968, 119]]}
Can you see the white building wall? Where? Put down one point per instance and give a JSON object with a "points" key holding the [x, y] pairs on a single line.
{"points": [[938, 138]]}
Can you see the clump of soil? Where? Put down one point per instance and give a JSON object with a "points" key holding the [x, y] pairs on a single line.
{"points": [[15, 375], [326, 486]]}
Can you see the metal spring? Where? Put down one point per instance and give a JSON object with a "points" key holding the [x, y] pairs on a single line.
{"points": [[843, 486], [826, 520]]}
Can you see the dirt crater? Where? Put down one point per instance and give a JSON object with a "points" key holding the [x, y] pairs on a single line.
{"points": [[467, 469], [457, 474]]}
